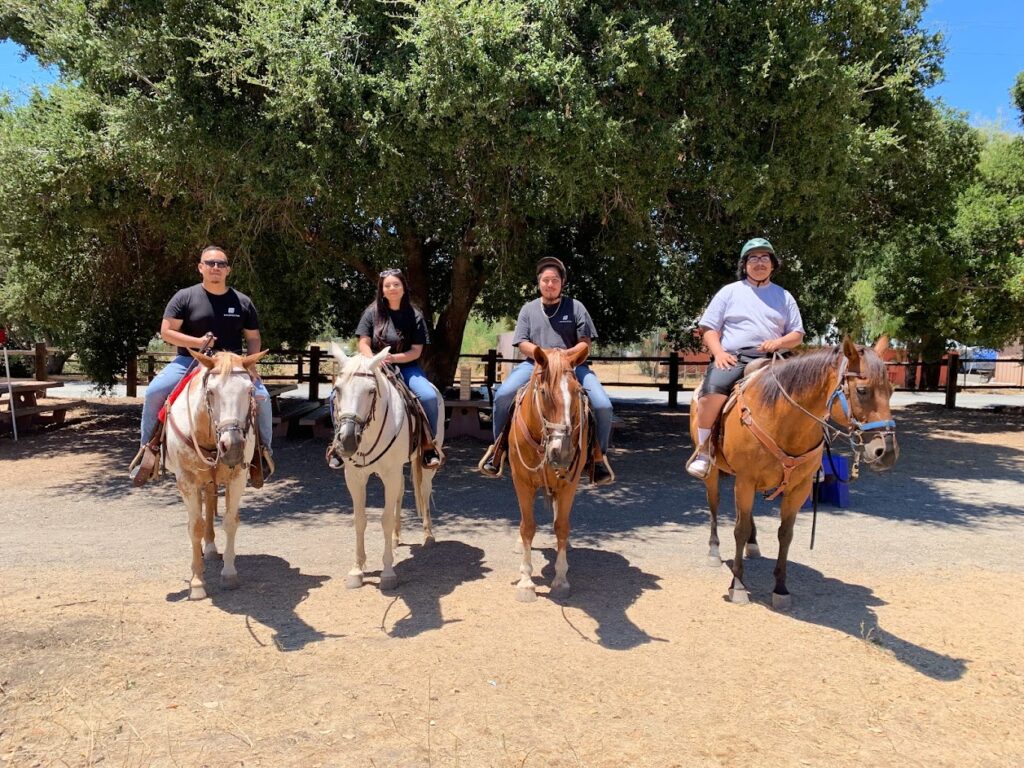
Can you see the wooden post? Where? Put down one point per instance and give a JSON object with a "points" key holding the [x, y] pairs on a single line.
{"points": [[952, 366], [298, 369], [150, 368], [132, 383], [673, 380], [492, 369], [41, 361], [314, 373]]}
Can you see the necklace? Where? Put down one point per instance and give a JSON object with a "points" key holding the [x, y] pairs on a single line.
{"points": [[554, 309]]}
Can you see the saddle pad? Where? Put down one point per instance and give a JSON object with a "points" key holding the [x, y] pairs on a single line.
{"points": [[177, 391]]}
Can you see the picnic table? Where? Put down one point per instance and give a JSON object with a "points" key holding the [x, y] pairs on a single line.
{"points": [[289, 410], [28, 411]]}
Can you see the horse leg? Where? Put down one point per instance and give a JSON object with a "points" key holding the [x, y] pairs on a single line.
{"points": [[394, 483], [752, 550], [210, 503], [423, 488], [561, 506], [192, 496], [744, 513], [357, 489], [526, 591], [714, 495], [232, 501], [397, 530], [792, 500]]}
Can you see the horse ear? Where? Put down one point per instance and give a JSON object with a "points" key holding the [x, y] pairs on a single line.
{"points": [[881, 345], [250, 360], [540, 357], [579, 357], [338, 354], [206, 360], [852, 354], [377, 359]]}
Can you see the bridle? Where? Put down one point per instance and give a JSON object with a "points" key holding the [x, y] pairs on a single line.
{"points": [[340, 419], [211, 457], [549, 431]]}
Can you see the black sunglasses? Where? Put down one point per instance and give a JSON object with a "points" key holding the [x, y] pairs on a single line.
{"points": [[216, 263], [390, 272]]}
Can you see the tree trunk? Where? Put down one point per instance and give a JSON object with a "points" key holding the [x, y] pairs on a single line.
{"points": [[932, 350]]}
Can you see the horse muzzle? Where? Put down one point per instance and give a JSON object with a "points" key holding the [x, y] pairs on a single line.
{"points": [[231, 449], [558, 452], [346, 438], [881, 451]]}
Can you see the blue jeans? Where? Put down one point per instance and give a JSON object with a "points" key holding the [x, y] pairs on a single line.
{"points": [[599, 402], [420, 385], [165, 382]]}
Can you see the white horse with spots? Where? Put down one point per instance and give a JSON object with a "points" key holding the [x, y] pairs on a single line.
{"points": [[372, 435], [209, 442]]}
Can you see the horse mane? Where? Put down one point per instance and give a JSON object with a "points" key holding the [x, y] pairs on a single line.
{"points": [[801, 374]]}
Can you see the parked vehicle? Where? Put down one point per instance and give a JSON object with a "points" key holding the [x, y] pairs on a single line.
{"points": [[977, 360]]}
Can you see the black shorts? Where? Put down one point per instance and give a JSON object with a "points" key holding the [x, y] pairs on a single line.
{"points": [[720, 381]]}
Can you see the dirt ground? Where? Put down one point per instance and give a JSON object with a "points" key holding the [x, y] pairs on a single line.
{"points": [[904, 646]]}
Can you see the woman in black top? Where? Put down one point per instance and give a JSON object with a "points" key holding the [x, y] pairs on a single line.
{"points": [[392, 321]]}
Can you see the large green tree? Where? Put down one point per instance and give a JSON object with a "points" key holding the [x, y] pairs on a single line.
{"points": [[462, 139]]}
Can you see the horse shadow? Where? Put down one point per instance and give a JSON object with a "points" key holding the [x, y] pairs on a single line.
{"points": [[427, 575], [828, 602], [604, 586], [271, 590]]}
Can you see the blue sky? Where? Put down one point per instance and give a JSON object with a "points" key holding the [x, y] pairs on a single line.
{"points": [[984, 41]]}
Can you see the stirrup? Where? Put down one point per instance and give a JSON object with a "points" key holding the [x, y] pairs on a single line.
{"points": [[698, 454], [488, 454], [609, 479], [143, 467]]}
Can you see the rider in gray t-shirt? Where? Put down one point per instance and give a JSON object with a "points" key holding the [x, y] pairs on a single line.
{"points": [[745, 320], [553, 321]]}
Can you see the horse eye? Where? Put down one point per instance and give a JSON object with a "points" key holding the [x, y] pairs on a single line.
{"points": [[862, 390]]}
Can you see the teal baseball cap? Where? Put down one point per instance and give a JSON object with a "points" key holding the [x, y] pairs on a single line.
{"points": [[756, 244]]}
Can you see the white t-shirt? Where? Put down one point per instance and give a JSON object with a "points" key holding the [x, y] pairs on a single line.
{"points": [[745, 315]]}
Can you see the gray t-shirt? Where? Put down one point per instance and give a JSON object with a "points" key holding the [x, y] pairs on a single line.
{"points": [[560, 329], [747, 316]]}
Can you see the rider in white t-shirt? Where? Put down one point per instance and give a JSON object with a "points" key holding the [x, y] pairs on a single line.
{"points": [[745, 320]]}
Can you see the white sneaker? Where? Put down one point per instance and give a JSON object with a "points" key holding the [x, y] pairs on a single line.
{"points": [[699, 465]]}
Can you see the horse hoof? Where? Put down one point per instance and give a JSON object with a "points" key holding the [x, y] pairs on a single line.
{"points": [[388, 582], [210, 552], [526, 594], [197, 593], [229, 582], [781, 602], [738, 596], [714, 561], [560, 591], [753, 550], [428, 540], [354, 581]]}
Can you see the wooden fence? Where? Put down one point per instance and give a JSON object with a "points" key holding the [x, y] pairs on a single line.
{"points": [[309, 365]]}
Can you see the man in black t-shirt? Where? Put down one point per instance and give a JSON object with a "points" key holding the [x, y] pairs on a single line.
{"points": [[208, 310]]}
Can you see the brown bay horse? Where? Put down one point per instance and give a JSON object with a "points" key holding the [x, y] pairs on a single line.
{"points": [[548, 443], [774, 434]]}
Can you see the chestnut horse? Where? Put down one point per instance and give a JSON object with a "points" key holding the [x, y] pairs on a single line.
{"points": [[209, 442], [548, 443], [774, 435]]}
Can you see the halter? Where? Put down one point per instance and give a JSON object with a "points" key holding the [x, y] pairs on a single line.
{"points": [[221, 428], [360, 423]]}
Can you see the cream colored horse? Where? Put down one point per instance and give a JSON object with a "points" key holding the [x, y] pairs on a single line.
{"points": [[372, 436], [209, 442]]}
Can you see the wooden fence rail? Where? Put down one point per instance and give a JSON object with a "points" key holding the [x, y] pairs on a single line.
{"points": [[309, 362]]}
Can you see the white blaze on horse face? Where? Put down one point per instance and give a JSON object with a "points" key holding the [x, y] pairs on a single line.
{"points": [[567, 419]]}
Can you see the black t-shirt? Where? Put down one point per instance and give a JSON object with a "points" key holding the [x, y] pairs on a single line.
{"points": [[225, 315], [401, 331]]}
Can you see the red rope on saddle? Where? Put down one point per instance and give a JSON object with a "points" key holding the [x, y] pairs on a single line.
{"points": [[177, 391]]}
